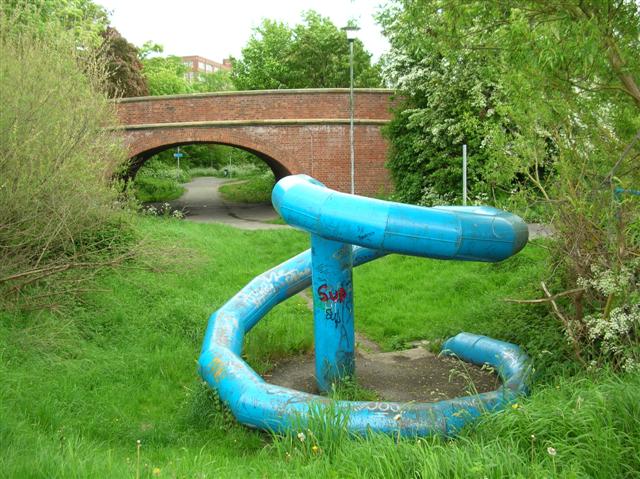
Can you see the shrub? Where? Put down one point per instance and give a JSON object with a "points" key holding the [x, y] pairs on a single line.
{"points": [[157, 169], [59, 211], [148, 188]]}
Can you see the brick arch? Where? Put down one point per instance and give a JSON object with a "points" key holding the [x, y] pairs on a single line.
{"points": [[293, 131], [151, 143]]}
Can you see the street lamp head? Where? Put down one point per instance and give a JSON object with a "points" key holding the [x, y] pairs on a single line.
{"points": [[351, 30]]}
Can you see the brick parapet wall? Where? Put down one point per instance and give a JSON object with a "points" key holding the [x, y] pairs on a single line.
{"points": [[294, 131], [255, 105]]}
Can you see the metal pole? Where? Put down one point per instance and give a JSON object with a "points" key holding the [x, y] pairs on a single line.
{"points": [[351, 105], [178, 157], [464, 175]]}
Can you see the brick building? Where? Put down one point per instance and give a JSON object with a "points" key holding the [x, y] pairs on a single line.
{"points": [[197, 65]]}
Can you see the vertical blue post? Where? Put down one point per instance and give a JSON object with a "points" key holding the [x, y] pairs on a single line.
{"points": [[334, 335]]}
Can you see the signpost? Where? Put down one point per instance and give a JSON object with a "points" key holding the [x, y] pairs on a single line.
{"points": [[177, 155]]}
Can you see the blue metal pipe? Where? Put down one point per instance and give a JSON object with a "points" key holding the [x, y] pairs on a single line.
{"points": [[475, 233], [259, 404], [333, 327]]}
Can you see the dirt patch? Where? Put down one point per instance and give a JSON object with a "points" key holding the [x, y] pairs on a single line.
{"points": [[411, 375], [414, 374]]}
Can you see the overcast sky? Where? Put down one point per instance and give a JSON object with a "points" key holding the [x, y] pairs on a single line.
{"points": [[216, 29]]}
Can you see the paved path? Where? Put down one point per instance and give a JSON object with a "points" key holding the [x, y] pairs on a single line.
{"points": [[203, 203]]}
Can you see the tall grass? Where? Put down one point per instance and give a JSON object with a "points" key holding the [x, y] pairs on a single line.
{"points": [[579, 427], [77, 394]]}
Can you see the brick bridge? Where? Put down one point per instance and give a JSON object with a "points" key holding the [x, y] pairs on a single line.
{"points": [[293, 131]]}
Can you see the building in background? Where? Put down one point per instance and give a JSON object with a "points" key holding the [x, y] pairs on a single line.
{"points": [[197, 65]]}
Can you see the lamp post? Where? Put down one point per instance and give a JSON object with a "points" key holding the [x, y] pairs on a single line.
{"points": [[351, 30]]}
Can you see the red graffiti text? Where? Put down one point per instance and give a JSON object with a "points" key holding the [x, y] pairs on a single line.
{"points": [[335, 296]]}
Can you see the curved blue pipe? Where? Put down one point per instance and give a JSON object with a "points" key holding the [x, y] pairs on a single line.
{"points": [[476, 233], [259, 404]]}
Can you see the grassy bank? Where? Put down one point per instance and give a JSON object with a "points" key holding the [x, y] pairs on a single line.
{"points": [[256, 189], [148, 189], [80, 388]]}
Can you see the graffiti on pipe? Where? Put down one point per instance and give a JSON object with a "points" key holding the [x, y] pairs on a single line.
{"points": [[326, 294]]}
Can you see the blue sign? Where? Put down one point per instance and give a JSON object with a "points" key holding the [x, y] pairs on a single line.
{"points": [[178, 155]]}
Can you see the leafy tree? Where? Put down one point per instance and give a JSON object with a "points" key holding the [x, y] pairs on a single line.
{"points": [[563, 80], [165, 75], [313, 54], [219, 80], [86, 19], [124, 68], [445, 104]]}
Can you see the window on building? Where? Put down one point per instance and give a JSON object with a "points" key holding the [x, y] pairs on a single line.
{"points": [[201, 66]]}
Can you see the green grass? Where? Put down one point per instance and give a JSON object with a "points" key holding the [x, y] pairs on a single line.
{"points": [[254, 190], [80, 387], [204, 171], [277, 221], [591, 423], [399, 299], [147, 189]]}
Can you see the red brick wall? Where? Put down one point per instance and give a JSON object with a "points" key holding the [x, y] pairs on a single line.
{"points": [[272, 124]]}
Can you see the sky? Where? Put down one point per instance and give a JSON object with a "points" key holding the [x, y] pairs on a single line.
{"points": [[217, 29]]}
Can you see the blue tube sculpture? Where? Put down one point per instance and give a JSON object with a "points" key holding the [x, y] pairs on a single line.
{"points": [[346, 231]]}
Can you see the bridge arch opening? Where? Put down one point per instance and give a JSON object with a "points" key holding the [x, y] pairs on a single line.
{"points": [[136, 162]]}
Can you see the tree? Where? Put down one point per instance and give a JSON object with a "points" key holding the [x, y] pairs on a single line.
{"points": [[445, 104], [567, 76], [84, 18], [165, 75], [219, 80], [124, 68], [313, 54]]}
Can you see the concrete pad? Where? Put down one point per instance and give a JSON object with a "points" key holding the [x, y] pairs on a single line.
{"points": [[411, 375]]}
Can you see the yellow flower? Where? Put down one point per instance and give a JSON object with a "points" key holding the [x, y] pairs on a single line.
{"points": [[315, 449], [156, 471], [515, 405]]}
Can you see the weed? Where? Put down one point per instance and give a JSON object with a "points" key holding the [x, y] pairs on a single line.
{"points": [[348, 389]]}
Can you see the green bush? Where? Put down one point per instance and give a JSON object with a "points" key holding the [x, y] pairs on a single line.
{"points": [[60, 213], [148, 189], [155, 168]]}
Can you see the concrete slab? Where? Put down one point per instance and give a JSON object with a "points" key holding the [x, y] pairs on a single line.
{"points": [[411, 375]]}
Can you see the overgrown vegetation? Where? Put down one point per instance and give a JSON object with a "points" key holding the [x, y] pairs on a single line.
{"points": [[107, 385], [108, 388], [159, 179], [573, 428], [547, 96], [61, 219]]}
